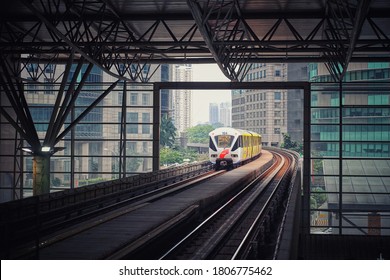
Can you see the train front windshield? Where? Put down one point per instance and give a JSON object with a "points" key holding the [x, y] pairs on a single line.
{"points": [[224, 141]]}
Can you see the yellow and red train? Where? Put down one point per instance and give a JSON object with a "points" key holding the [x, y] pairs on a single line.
{"points": [[230, 147]]}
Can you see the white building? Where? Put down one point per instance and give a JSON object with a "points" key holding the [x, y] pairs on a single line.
{"points": [[213, 113], [182, 99], [225, 116]]}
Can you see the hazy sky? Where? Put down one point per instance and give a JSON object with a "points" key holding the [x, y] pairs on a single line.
{"points": [[202, 98]]}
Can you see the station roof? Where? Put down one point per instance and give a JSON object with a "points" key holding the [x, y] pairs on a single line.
{"points": [[232, 33], [365, 183]]}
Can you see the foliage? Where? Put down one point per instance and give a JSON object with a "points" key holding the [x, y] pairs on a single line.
{"points": [[91, 181], [313, 204], [171, 156], [318, 195], [167, 132], [218, 124], [132, 164], [291, 145], [56, 182], [199, 133]]}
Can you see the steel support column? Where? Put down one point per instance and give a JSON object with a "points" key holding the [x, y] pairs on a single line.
{"points": [[306, 160], [156, 126], [41, 173]]}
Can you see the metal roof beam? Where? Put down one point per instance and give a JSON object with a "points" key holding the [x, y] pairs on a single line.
{"points": [[360, 16], [222, 21], [344, 23]]}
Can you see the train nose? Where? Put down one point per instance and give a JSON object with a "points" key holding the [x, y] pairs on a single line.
{"points": [[224, 153]]}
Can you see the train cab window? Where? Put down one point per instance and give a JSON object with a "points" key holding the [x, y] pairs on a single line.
{"points": [[211, 145], [224, 141], [237, 144]]}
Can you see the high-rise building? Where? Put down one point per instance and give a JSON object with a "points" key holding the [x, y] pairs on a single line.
{"points": [[361, 106], [262, 111], [350, 150], [296, 72], [166, 101], [182, 98], [213, 113], [93, 150], [225, 116]]}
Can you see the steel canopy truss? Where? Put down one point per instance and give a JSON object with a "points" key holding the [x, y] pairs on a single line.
{"points": [[222, 22], [77, 31], [93, 30], [344, 23], [67, 95], [234, 41], [125, 44]]}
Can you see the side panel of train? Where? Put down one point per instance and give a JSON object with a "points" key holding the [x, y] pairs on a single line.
{"points": [[233, 147]]}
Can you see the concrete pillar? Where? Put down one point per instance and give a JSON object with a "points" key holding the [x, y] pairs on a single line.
{"points": [[41, 174]]}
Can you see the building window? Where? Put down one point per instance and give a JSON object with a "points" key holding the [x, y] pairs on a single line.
{"points": [[277, 130], [145, 99], [277, 73], [134, 98], [278, 95], [31, 85], [145, 119], [132, 147], [133, 126], [49, 87]]}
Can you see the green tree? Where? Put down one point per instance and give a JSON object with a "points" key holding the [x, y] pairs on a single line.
{"points": [[56, 182], [318, 195], [218, 124], [199, 133], [167, 132], [170, 156], [132, 164], [291, 145], [177, 155]]}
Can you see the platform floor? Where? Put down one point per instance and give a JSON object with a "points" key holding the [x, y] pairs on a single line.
{"points": [[99, 242]]}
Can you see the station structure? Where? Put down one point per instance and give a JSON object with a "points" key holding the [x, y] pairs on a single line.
{"points": [[80, 101]]}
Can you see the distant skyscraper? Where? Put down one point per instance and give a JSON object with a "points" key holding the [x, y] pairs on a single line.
{"points": [[225, 116], [213, 113], [182, 98], [166, 101]]}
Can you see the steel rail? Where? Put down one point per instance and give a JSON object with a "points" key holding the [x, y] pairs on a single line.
{"points": [[220, 232], [54, 231], [242, 249]]}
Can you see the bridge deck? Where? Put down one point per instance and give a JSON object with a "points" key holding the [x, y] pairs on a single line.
{"points": [[101, 241]]}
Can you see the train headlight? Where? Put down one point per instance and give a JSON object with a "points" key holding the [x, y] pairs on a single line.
{"points": [[214, 155], [234, 155]]}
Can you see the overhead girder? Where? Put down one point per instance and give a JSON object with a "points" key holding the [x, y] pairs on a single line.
{"points": [[69, 90], [222, 21], [345, 19], [234, 45], [89, 38], [107, 38]]}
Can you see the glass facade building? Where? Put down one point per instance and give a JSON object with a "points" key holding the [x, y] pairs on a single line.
{"points": [[102, 146], [349, 152]]}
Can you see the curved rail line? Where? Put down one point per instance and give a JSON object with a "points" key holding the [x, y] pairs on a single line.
{"points": [[52, 226], [226, 233]]}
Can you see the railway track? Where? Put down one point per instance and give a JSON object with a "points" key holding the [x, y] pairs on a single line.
{"points": [[245, 226], [105, 213], [26, 236]]}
